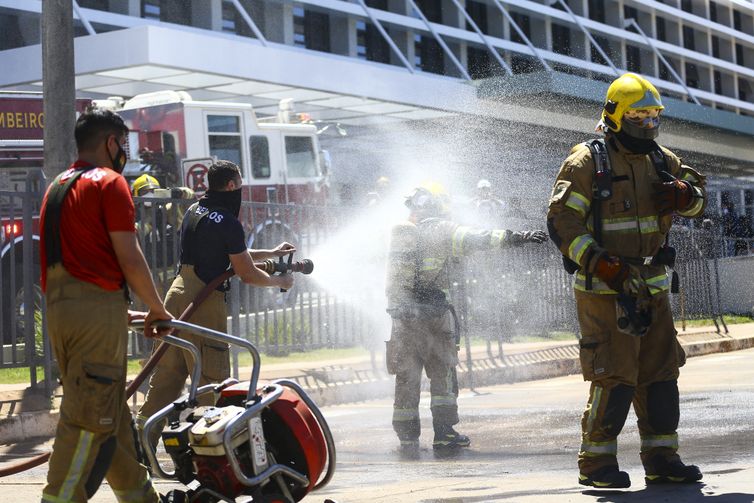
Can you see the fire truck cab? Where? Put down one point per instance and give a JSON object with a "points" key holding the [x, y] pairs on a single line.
{"points": [[175, 139]]}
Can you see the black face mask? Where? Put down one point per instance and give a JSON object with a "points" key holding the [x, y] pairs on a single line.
{"points": [[119, 162], [635, 145], [229, 200]]}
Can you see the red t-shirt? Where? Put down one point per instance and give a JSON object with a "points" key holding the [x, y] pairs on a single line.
{"points": [[98, 203]]}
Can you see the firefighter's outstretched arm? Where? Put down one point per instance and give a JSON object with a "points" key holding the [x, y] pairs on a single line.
{"points": [[251, 274], [681, 192], [467, 240], [280, 250]]}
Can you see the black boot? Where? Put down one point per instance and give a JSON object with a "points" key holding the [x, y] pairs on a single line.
{"points": [[660, 470], [174, 496], [448, 438], [607, 477]]}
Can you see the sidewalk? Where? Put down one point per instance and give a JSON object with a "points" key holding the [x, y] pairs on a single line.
{"points": [[24, 414]]}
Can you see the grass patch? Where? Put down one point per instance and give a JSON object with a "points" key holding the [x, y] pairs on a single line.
{"points": [[730, 319], [19, 375]]}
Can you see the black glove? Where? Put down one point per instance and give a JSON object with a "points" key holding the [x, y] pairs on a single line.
{"points": [[519, 238]]}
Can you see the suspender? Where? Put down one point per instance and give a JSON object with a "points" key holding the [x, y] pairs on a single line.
{"points": [[53, 210]]}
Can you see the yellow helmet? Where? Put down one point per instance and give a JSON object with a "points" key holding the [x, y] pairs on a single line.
{"points": [[430, 199], [144, 182], [633, 95]]}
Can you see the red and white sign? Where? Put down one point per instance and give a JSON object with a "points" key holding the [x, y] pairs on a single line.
{"points": [[195, 174]]}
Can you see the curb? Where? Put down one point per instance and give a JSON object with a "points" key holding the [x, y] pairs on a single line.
{"points": [[542, 364]]}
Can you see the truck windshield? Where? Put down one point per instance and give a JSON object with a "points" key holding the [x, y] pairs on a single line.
{"points": [[300, 157], [225, 138]]}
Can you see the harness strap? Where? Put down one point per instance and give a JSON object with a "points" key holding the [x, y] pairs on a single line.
{"points": [[53, 212]]}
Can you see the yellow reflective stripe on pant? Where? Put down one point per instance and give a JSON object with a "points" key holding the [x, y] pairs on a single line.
{"points": [[594, 449], [440, 400], [578, 203], [405, 414], [579, 246], [78, 462], [594, 404], [53, 499], [651, 441]]}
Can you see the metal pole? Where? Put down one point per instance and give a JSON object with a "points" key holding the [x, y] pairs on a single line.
{"points": [[522, 35], [235, 320], [87, 25], [588, 35], [632, 22], [249, 22], [385, 35], [483, 37], [58, 83], [440, 40]]}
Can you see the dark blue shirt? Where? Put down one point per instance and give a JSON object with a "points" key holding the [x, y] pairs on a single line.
{"points": [[216, 236]]}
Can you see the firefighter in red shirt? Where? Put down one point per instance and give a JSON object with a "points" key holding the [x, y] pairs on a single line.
{"points": [[89, 252]]}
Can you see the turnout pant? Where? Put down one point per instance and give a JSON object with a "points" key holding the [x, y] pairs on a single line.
{"points": [[95, 438], [416, 345], [626, 369], [169, 377]]}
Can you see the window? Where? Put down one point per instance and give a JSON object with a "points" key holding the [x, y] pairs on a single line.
{"points": [[688, 38], [715, 46], [224, 133], [259, 147], [744, 89], [523, 22], [713, 12], [660, 23], [718, 81], [561, 39], [595, 54], [478, 12], [317, 31], [630, 13], [737, 20], [597, 10], [740, 55], [150, 9], [633, 59], [692, 75], [687, 6], [94, 4], [300, 157]]}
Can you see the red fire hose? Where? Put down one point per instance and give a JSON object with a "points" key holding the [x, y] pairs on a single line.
{"points": [[145, 371]]}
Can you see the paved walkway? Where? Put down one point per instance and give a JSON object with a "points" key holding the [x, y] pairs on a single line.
{"points": [[24, 413]]}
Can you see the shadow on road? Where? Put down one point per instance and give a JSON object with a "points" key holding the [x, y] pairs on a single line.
{"points": [[687, 493]]}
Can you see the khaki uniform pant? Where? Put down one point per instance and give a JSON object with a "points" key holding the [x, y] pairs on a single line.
{"points": [[626, 369], [169, 377], [88, 329], [423, 344]]}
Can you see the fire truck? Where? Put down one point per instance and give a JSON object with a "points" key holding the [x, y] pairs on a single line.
{"points": [[176, 139], [21, 186]]}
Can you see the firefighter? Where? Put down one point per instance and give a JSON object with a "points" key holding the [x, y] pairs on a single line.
{"points": [[488, 210], [89, 252], [212, 238], [610, 213], [425, 329], [145, 184]]}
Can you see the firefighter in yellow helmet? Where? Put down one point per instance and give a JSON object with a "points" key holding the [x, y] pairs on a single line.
{"points": [[144, 185], [610, 213], [425, 329]]}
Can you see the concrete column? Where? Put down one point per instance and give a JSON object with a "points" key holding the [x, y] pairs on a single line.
{"points": [[127, 7], [342, 35], [58, 82], [278, 23], [207, 14]]}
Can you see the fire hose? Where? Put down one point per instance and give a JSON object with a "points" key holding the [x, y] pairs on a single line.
{"points": [[269, 266]]}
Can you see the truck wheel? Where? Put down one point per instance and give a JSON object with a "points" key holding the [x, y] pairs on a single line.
{"points": [[13, 300]]}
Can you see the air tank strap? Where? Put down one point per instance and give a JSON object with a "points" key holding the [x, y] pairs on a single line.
{"points": [[53, 212]]}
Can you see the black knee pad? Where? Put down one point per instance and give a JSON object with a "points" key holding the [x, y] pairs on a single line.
{"points": [[662, 406], [101, 465], [616, 409]]}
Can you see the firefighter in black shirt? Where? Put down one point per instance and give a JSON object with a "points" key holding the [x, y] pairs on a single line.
{"points": [[212, 239]]}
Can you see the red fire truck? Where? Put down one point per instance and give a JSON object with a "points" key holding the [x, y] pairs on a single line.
{"points": [[21, 186], [176, 138]]}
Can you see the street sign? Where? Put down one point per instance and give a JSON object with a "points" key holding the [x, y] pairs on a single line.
{"points": [[195, 174]]}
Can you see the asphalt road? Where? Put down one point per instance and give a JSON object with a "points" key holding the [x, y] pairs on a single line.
{"points": [[525, 438]]}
